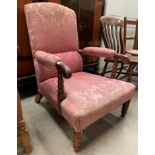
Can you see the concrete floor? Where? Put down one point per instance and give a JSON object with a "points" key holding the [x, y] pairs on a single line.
{"points": [[51, 135]]}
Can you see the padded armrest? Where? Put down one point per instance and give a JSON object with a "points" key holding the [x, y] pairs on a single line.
{"points": [[99, 52], [48, 60], [105, 52]]}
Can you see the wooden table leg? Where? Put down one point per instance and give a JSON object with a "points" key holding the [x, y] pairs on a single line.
{"points": [[24, 137]]}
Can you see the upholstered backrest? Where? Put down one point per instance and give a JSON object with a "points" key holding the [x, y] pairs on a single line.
{"points": [[71, 59], [52, 28]]}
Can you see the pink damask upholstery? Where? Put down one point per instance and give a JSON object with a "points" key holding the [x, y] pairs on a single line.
{"points": [[99, 52], [89, 97], [46, 59], [45, 63], [52, 27], [53, 36]]}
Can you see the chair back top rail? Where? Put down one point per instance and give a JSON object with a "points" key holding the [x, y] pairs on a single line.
{"points": [[112, 33]]}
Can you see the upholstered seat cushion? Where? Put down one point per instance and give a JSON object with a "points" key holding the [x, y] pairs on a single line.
{"points": [[88, 97]]}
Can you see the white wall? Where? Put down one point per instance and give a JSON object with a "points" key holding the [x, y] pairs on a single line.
{"points": [[122, 8]]}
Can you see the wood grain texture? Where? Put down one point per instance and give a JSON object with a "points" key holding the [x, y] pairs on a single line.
{"points": [[77, 138], [61, 93], [25, 67], [130, 71], [24, 55], [63, 71], [23, 133], [114, 69], [98, 11], [22, 32], [55, 1]]}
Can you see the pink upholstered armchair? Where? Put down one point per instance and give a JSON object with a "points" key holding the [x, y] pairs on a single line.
{"points": [[81, 98]]}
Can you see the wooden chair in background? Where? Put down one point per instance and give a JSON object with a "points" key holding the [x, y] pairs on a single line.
{"points": [[23, 134], [112, 30], [112, 34], [132, 25]]}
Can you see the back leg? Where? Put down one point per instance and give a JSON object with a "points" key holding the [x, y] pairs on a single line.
{"points": [[104, 69], [125, 108], [38, 97]]}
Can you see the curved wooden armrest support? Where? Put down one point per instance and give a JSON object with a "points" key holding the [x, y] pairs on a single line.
{"points": [[117, 58], [124, 58], [63, 71], [66, 71]]}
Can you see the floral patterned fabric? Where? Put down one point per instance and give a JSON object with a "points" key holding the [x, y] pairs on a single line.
{"points": [[88, 97], [45, 63], [52, 27], [99, 52]]}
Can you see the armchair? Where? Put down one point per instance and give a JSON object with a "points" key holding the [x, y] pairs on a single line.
{"points": [[81, 98]]}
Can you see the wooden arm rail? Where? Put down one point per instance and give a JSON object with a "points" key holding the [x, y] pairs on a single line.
{"points": [[124, 58], [67, 73], [63, 71]]}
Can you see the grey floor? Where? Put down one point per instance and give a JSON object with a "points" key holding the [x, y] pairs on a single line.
{"points": [[51, 135]]}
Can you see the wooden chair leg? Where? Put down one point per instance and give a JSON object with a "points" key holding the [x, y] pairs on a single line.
{"points": [[26, 142], [25, 137], [130, 72], [77, 138], [104, 69], [38, 97], [120, 70], [125, 108]]}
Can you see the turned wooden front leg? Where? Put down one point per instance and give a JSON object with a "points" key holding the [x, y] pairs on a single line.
{"points": [[125, 108], [38, 97], [77, 138], [25, 137]]}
